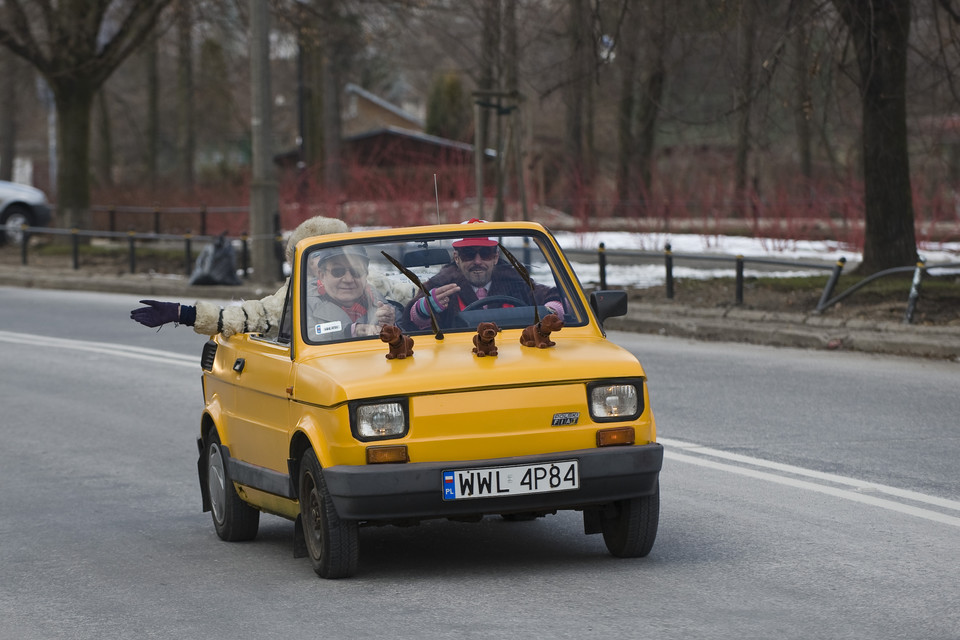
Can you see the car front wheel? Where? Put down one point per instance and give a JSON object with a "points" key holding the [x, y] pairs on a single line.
{"points": [[14, 218], [234, 519], [332, 544], [630, 531]]}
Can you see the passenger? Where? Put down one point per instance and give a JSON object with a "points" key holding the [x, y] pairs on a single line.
{"points": [[251, 316], [343, 305], [474, 274]]}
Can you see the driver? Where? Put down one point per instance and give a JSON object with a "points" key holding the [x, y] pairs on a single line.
{"points": [[474, 274]]}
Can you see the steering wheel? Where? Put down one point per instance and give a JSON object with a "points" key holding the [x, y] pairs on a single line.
{"points": [[496, 301]]}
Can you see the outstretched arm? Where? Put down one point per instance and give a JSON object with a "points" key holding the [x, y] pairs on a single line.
{"points": [[157, 313]]}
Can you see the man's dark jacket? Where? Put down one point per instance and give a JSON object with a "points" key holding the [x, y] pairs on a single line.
{"points": [[505, 282]]}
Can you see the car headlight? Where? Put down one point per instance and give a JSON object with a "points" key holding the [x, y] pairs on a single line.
{"points": [[379, 420], [612, 401]]}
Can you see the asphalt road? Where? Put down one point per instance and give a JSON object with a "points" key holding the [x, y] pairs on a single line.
{"points": [[804, 495]]}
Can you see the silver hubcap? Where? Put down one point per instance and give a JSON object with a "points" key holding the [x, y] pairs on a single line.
{"points": [[14, 224], [216, 482]]}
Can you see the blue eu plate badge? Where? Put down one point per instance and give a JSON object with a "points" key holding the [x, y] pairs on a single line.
{"points": [[449, 489]]}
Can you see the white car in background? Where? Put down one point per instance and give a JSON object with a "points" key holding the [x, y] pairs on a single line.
{"points": [[20, 205]]}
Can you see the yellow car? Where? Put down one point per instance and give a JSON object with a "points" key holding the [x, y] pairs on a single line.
{"points": [[395, 391]]}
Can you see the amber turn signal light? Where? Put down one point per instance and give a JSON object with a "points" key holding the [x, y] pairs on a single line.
{"points": [[614, 437], [385, 454]]}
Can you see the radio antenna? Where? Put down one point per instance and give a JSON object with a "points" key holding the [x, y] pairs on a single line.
{"points": [[436, 192]]}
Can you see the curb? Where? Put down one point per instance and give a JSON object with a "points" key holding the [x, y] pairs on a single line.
{"points": [[139, 284], [803, 331]]}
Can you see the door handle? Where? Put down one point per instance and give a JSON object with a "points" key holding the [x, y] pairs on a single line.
{"points": [[239, 364]]}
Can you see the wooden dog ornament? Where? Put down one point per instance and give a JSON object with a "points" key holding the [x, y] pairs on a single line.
{"points": [[400, 345], [484, 343], [538, 335]]}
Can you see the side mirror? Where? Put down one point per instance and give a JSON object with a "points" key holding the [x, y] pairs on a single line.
{"points": [[608, 304]]}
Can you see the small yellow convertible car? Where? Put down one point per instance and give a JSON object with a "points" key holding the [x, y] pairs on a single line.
{"points": [[448, 371]]}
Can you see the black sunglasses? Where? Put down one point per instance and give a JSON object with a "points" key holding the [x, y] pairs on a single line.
{"points": [[469, 253], [339, 272]]}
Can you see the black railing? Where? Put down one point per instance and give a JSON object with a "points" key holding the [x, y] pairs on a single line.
{"points": [[199, 215], [919, 271], [136, 241], [827, 299], [738, 262]]}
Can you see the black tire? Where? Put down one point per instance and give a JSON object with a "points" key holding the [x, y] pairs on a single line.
{"points": [[333, 545], [234, 519], [631, 532], [13, 217]]}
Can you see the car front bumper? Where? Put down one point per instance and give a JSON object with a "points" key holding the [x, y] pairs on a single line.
{"points": [[415, 490]]}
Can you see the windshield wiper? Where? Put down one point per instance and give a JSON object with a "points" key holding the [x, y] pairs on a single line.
{"points": [[437, 333], [522, 270]]}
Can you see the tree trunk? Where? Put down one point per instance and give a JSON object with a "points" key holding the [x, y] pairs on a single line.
{"points": [[8, 114], [153, 115], [312, 99], [647, 118], [74, 100], [627, 52], [575, 102], [744, 98], [332, 165], [186, 136], [880, 30], [804, 110], [490, 61], [105, 140]]}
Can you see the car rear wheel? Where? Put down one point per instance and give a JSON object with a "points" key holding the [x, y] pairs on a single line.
{"points": [[332, 544], [233, 518], [14, 218], [630, 532]]}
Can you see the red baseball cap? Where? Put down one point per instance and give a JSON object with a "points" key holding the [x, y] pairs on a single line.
{"points": [[474, 242]]}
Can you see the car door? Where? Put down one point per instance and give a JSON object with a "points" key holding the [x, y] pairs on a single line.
{"points": [[263, 373]]}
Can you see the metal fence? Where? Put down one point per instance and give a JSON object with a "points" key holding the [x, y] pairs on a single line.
{"points": [[137, 241], [827, 299]]}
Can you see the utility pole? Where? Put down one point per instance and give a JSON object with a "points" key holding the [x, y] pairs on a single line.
{"points": [[263, 186]]}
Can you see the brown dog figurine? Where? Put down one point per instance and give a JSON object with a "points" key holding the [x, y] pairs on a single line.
{"points": [[400, 345], [538, 335], [484, 342]]}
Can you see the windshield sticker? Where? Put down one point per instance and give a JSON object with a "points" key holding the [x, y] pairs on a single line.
{"points": [[328, 327]]}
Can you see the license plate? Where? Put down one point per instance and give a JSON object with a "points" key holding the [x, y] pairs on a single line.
{"points": [[493, 482]]}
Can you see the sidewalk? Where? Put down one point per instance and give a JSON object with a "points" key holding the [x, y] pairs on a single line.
{"points": [[805, 331]]}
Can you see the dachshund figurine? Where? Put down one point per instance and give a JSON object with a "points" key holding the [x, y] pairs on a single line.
{"points": [[400, 345], [538, 335], [484, 342]]}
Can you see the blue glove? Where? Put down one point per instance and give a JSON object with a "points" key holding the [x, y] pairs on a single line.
{"points": [[158, 313]]}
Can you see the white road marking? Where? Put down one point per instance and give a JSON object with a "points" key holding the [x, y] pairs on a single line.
{"points": [[862, 492], [778, 472], [104, 348]]}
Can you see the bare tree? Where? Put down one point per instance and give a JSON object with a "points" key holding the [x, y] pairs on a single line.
{"points": [[803, 109], [104, 154], [8, 116], [879, 30], [578, 92], [186, 135], [152, 148], [76, 45], [744, 99]]}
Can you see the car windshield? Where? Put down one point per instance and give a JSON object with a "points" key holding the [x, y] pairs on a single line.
{"points": [[350, 291]]}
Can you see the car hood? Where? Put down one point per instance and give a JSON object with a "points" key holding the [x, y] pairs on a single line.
{"points": [[329, 377], [15, 191]]}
